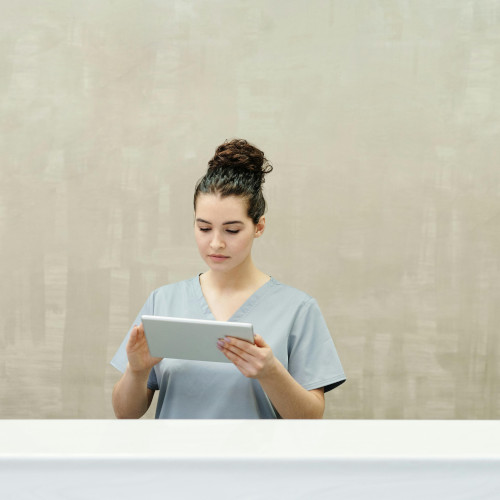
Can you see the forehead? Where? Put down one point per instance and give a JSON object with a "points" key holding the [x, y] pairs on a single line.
{"points": [[212, 207]]}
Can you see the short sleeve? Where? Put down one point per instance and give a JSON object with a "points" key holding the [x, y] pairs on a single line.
{"points": [[312, 357], [153, 381], [120, 359]]}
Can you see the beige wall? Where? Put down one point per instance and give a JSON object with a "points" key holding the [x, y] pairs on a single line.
{"points": [[382, 120]]}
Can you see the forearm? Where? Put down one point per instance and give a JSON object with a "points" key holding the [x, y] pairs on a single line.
{"points": [[130, 394], [289, 398]]}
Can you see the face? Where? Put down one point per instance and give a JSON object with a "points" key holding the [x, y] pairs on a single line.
{"points": [[224, 233]]}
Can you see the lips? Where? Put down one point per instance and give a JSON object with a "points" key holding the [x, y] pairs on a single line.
{"points": [[218, 257]]}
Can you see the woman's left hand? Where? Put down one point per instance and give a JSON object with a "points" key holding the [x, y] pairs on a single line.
{"points": [[252, 360]]}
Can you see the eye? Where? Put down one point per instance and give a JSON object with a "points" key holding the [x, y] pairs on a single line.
{"points": [[233, 231], [204, 229]]}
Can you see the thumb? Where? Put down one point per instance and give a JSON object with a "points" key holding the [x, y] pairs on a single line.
{"points": [[259, 341], [133, 334]]}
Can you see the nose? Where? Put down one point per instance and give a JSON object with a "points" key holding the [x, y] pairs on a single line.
{"points": [[217, 241]]}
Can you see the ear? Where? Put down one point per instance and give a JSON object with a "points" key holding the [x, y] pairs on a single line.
{"points": [[259, 227]]}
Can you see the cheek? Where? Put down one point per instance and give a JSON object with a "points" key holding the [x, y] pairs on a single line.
{"points": [[243, 244], [198, 236]]}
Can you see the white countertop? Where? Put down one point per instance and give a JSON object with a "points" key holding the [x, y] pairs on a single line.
{"points": [[248, 460], [324, 439]]}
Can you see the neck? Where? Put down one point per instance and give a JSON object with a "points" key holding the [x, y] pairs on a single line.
{"points": [[245, 276]]}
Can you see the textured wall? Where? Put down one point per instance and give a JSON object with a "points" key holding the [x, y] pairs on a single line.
{"points": [[382, 120]]}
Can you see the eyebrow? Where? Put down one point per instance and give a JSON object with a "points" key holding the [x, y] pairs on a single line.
{"points": [[224, 223]]}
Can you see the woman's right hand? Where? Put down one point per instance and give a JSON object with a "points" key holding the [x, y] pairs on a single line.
{"points": [[139, 358]]}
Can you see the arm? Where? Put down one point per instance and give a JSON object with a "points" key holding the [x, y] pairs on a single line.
{"points": [[131, 396], [257, 361]]}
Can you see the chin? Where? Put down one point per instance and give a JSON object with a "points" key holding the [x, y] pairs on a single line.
{"points": [[222, 267]]}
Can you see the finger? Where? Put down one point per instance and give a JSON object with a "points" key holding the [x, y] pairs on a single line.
{"points": [[259, 341], [242, 365], [139, 333], [133, 335], [136, 338], [230, 351], [243, 349], [241, 344]]}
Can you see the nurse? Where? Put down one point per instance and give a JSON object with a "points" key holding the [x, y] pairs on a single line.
{"points": [[293, 361]]}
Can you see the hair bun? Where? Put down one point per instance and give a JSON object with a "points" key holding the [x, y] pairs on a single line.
{"points": [[238, 154], [237, 169]]}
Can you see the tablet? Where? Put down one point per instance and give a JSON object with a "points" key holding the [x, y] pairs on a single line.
{"points": [[193, 339]]}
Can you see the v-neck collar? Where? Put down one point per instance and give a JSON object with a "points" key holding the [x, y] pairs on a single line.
{"points": [[243, 310]]}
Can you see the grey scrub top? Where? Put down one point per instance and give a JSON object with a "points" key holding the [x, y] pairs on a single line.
{"points": [[289, 321]]}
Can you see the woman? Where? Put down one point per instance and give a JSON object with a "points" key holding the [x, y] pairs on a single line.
{"points": [[288, 369]]}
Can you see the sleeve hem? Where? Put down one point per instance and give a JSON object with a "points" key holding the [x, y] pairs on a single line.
{"points": [[327, 384]]}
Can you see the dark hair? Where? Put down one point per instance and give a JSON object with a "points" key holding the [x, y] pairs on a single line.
{"points": [[237, 169]]}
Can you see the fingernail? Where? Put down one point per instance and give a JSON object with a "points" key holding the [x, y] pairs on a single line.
{"points": [[220, 343]]}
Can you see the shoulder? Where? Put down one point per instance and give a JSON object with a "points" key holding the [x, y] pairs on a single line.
{"points": [[172, 290], [291, 295]]}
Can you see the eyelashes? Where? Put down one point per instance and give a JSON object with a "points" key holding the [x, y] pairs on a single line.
{"points": [[230, 231]]}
